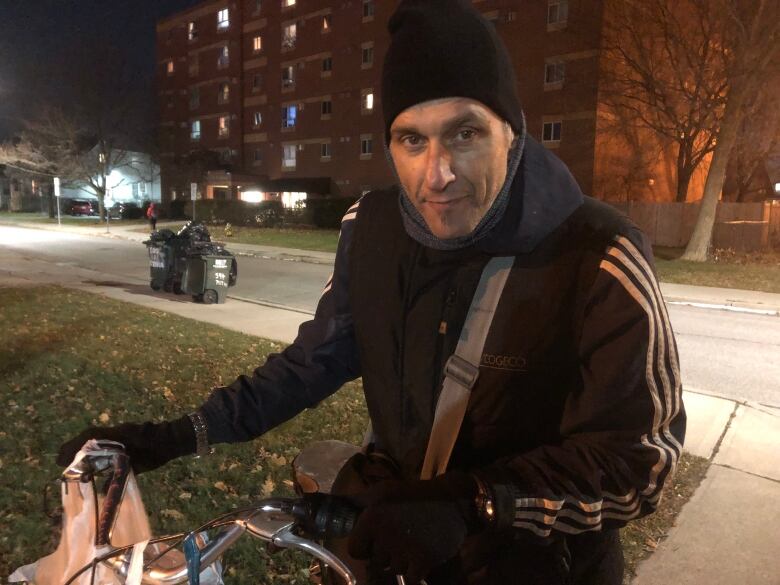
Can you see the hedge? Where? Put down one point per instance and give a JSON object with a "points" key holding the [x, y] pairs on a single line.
{"points": [[320, 213]]}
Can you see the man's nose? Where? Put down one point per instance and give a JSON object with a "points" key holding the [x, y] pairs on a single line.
{"points": [[438, 171]]}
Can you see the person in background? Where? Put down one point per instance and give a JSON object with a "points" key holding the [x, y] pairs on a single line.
{"points": [[151, 214]]}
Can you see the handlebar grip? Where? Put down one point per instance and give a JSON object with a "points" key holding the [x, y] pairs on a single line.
{"points": [[325, 516]]}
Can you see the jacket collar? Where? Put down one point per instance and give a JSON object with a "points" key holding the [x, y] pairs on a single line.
{"points": [[544, 194]]}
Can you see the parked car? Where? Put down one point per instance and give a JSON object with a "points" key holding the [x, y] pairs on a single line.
{"points": [[125, 210], [82, 207]]}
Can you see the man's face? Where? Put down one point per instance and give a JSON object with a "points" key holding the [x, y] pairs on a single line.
{"points": [[451, 157]]}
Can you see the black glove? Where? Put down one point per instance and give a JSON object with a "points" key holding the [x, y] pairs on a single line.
{"points": [[149, 445], [411, 527]]}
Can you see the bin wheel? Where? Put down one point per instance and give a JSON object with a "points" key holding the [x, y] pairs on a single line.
{"points": [[155, 285], [209, 297], [168, 286], [197, 298], [177, 288]]}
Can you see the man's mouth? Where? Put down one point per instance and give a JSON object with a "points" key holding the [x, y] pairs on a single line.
{"points": [[444, 203]]}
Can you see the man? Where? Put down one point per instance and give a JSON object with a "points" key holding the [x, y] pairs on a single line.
{"points": [[575, 421]]}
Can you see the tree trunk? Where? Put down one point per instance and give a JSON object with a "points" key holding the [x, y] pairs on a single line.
{"points": [[699, 244], [683, 181], [684, 172], [101, 205]]}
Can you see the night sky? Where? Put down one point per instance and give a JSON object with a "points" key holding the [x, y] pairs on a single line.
{"points": [[43, 42]]}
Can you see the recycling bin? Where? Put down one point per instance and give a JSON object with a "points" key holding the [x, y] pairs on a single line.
{"points": [[208, 276]]}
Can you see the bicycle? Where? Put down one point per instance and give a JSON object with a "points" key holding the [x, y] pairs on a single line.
{"points": [[283, 523]]}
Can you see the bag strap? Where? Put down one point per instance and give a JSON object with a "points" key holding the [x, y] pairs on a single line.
{"points": [[462, 368]]}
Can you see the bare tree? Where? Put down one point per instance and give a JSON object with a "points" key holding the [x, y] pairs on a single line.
{"points": [[758, 136], [662, 71], [54, 144], [749, 41]]}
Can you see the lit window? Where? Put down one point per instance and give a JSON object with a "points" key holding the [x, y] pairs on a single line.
{"points": [[224, 57], [288, 76], [288, 159], [192, 31], [366, 146], [557, 11], [286, 3], [551, 132], [327, 64], [101, 159], [368, 8], [325, 150], [327, 22], [368, 101], [289, 35], [257, 81], [289, 114], [327, 108], [257, 44], [224, 93], [224, 126], [554, 72], [257, 118], [223, 19], [195, 130], [169, 67], [368, 56], [194, 98]]}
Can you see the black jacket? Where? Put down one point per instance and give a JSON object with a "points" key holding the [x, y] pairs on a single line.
{"points": [[578, 405]]}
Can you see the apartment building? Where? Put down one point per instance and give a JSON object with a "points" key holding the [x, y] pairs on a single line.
{"points": [[282, 96]]}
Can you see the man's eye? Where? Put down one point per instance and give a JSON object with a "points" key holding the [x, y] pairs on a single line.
{"points": [[411, 140], [466, 134]]}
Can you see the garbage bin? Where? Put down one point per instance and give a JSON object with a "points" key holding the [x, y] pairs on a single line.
{"points": [[161, 260], [208, 274]]}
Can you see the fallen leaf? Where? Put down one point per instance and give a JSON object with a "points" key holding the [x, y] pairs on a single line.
{"points": [[170, 513], [104, 417], [221, 486], [268, 487]]}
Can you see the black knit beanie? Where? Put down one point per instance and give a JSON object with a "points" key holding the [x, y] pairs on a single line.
{"points": [[446, 48]]}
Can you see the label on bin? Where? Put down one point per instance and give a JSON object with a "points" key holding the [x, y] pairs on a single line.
{"points": [[221, 263], [221, 279], [156, 258]]}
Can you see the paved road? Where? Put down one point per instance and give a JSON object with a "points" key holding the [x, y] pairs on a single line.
{"points": [[730, 354], [292, 284]]}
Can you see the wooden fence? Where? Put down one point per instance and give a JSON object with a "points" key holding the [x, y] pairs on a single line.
{"points": [[743, 227]]}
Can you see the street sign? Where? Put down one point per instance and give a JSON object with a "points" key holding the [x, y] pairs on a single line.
{"points": [[193, 191], [56, 186]]}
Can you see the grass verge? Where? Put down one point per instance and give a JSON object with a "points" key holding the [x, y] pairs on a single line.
{"points": [[317, 240], [641, 537], [757, 271], [73, 359], [89, 221]]}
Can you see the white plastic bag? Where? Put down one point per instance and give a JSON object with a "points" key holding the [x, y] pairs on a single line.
{"points": [[77, 544]]}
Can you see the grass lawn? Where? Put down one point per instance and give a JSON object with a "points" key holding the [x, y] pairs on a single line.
{"points": [[318, 240], [759, 272], [8, 217], [72, 360]]}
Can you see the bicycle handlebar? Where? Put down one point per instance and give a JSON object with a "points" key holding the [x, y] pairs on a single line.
{"points": [[274, 520]]}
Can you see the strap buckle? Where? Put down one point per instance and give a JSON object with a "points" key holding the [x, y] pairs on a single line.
{"points": [[461, 371]]}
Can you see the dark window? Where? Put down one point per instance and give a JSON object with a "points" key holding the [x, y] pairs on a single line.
{"points": [[551, 132], [327, 107], [327, 64]]}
